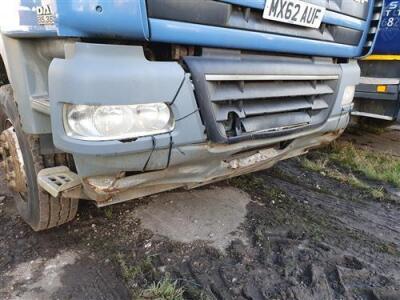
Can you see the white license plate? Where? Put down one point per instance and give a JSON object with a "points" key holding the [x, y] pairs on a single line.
{"points": [[294, 12]]}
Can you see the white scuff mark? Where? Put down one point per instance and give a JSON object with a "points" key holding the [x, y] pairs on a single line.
{"points": [[260, 156]]}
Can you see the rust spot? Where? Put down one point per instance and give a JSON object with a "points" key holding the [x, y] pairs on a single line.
{"points": [[101, 187]]}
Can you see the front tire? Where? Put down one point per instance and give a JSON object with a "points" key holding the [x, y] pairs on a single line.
{"points": [[38, 208]]}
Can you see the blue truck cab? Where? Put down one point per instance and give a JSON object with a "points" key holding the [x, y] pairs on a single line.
{"points": [[377, 95], [111, 100]]}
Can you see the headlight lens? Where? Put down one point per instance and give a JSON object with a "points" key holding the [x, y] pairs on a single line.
{"points": [[348, 95], [116, 122]]}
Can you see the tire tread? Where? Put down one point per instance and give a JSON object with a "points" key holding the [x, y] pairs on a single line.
{"points": [[52, 211]]}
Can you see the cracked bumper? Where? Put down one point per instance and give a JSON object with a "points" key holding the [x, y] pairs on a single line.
{"points": [[206, 163], [116, 171], [203, 164]]}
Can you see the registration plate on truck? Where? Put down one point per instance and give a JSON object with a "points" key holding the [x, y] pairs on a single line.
{"points": [[294, 12]]}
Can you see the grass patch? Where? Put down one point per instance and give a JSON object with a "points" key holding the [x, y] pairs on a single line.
{"points": [[374, 165], [317, 165], [321, 165], [143, 268], [137, 276], [378, 193], [166, 289], [108, 212]]}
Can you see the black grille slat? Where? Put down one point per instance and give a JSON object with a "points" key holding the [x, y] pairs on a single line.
{"points": [[221, 114], [273, 100], [255, 22], [276, 121], [231, 90], [275, 106], [319, 104], [257, 107], [356, 9], [227, 15], [267, 106], [374, 26]]}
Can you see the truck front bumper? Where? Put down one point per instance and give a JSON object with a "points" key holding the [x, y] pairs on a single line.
{"points": [[206, 163], [115, 171]]}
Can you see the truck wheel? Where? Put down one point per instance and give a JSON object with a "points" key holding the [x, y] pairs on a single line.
{"points": [[21, 159]]}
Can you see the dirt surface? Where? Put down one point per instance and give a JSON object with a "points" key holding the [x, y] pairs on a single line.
{"points": [[387, 141], [213, 214], [290, 233]]}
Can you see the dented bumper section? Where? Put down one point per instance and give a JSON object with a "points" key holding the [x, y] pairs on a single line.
{"points": [[285, 105], [200, 165], [203, 164]]}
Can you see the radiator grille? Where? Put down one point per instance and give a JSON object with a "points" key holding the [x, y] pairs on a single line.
{"points": [[246, 106], [226, 15], [251, 19], [374, 25]]}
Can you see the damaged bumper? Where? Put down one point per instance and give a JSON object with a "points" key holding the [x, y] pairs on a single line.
{"points": [[233, 115], [107, 190], [204, 164]]}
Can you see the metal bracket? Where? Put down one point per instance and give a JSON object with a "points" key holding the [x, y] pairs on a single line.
{"points": [[57, 180]]}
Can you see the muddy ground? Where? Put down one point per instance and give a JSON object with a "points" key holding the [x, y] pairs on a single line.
{"points": [[284, 233]]}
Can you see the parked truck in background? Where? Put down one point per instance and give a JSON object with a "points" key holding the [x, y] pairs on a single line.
{"points": [[114, 100], [377, 96]]}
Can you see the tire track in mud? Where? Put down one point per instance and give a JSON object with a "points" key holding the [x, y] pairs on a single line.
{"points": [[305, 243], [378, 219], [309, 237]]}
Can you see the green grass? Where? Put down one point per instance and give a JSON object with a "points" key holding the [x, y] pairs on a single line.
{"points": [[321, 165], [374, 165], [108, 212], [165, 289], [317, 165], [378, 193], [128, 272]]}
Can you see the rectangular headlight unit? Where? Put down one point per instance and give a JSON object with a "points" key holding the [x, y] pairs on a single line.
{"points": [[116, 122], [348, 95]]}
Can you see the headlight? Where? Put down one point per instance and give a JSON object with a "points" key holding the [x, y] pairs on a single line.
{"points": [[348, 95], [116, 122]]}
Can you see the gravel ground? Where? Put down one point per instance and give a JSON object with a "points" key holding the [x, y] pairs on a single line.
{"points": [[284, 233]]}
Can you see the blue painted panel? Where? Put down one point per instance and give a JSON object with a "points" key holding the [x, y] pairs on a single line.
{"points": [[259, 4], [112, 18], [388, 39], [186, 33], [330, 17], [20, 19], [334, 18], [128, 19], [78, 18]]}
